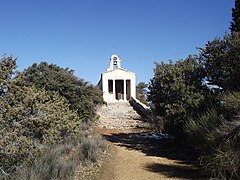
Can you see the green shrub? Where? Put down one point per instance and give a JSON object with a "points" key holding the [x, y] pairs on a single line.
{"points": [[231, 102], [40, 107], [7, 69], [202, 132], [82, 96], [29, 119], [224, 162], [215, 137], [177, 90]]}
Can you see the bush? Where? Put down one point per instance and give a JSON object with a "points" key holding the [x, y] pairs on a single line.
{"points": [[86, 124], [177, 90], [224, 162], [215, 137], [59, 161], [203, 132], [82, 96], [7, 69], [39, 108], [52, 164], [231, 102], [29, 119], [90, 148]]}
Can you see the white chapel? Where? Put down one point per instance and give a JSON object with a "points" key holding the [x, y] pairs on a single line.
{"points": [[117, 84]]}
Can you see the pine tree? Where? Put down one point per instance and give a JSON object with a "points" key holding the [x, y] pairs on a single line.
{"points": [[235, 24]]}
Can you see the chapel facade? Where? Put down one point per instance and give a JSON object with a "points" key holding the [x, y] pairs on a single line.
{"points": [[117, 84]]}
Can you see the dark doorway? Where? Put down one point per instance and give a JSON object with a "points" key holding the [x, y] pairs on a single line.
{"points": [[119, 89], [128, 89], [110, 86]]}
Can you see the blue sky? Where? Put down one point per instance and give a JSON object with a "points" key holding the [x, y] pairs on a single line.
{"points": [[83, 34]]}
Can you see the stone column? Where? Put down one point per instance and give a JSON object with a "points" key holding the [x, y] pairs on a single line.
{"points": [[114, 90], [124, 90]]}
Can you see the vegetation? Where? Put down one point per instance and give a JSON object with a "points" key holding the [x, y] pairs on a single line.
{"points": [[45, 112], [235, 24], [82, 96], [59, 161], [44, 107], [142, 92], [176, 90], [221, 60], [215, 138], [7, 69], [30, 118], [198, 99]]}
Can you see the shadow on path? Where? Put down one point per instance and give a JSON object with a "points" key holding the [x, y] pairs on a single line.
{"points": [[185, 166], [151, 147], [174, 170]]}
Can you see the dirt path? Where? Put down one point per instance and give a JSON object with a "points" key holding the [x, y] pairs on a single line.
{"points": [[130, 164], [134, 157]]}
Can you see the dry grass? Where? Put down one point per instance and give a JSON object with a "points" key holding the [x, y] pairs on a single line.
{"points": [[60, 161]]}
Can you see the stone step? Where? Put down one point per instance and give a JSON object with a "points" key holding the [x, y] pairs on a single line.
{"points": [[118, 115]]}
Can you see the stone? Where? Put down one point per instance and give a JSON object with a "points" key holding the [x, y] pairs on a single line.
{"points": [[118, 115]]}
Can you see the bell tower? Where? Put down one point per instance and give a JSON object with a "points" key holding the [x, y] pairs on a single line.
{"points": [[114, 63]]}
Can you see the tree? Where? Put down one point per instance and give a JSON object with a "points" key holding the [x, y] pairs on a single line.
{"points": [[82, 96], [142, 88], [142, 92], [177, 90], [221, 58], [7, 69], [235, 24]]}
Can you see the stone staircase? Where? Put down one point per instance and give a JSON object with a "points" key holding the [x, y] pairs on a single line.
{"points": [[118, 115]]}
